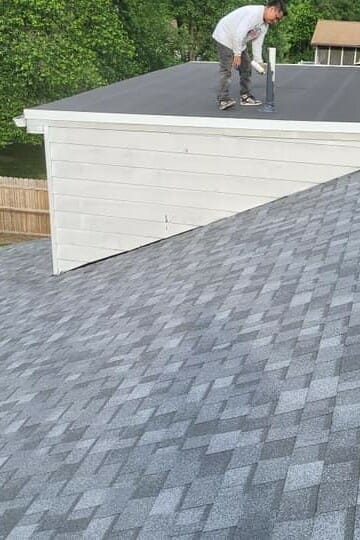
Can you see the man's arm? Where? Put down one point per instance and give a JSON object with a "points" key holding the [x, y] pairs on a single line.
{"points": [[257, 46], [245, 25]]}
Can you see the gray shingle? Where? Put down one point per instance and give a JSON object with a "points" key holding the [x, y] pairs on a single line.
{"points": [[303, 476], [238, 476], [330, 525], [270, 470], [191, 515], [167, 501], [277, 449], [214, 464], [98, 528], [135, 513], [258, 526], [290, 400], [346, 417], [341, 472], [224, 441], [336, 496], [299, 504], [202, 492], [323, 388], [22, 532], [157, 527], [226, 510], [293, 530], [206, 386], [219, 534], [245, 455]]}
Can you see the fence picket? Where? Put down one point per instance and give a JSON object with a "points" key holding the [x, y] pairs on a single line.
{"points": [[24, 207]]}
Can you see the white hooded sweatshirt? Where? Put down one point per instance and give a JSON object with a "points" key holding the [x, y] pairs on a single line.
{"points": [[240, 26]]}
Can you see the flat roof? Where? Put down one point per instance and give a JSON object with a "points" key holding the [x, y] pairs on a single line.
{"points": [[302, 93]]}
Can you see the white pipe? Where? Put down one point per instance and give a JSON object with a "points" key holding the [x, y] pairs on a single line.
{"points": [[269, 105], [272, 61], [258, 67]]}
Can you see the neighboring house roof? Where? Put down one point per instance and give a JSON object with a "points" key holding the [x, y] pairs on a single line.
{"points": [[208, 384], [337, 33]]}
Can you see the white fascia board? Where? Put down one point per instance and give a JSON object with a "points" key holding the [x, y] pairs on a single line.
{"points": [[37, 119]]}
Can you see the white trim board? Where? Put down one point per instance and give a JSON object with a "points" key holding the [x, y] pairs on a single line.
{"points": [[36, 119]]}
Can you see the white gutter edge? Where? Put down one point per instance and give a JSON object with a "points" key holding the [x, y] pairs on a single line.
{"points": [[45, 117], [20, 121]]}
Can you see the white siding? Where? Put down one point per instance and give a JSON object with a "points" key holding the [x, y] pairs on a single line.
{"points": [[117, 189]]}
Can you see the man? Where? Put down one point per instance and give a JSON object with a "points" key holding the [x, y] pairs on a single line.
{"points": [[232, 33]]}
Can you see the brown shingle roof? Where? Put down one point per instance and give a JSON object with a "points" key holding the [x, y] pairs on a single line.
{"points": [[337, 33]]}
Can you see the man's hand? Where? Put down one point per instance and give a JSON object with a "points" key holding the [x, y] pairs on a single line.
{"points": [[260, 67], [237, 60]]}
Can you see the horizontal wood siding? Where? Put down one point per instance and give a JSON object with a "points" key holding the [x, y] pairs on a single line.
{"points": [[237, 165], [114, 190], [219, 145]]}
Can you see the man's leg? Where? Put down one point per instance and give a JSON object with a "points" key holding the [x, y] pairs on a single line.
{"points": [[245, 74], [225, 65], [246, 98]]}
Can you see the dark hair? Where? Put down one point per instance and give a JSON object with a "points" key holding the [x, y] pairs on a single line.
{"points": [[280, 4]]}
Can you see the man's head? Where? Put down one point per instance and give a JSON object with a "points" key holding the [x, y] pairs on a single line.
{"points": [[274, 11]]}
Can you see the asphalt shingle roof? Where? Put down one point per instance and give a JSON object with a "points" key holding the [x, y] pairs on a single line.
{"points": [[204, 387]]}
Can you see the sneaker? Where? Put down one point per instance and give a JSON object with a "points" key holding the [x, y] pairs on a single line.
{"points": [[248, 99], [226, 103]]}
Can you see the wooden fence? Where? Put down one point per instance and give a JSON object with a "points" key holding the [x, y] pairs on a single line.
{"points": [[24, 207]]}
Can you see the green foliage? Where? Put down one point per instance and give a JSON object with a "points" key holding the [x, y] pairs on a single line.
{"points": [[342, 10], [196, 21], [277, 37], [154, 36], [297, 30], [50, 49]]}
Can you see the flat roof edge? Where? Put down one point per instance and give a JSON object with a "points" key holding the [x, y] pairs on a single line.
{"points": [[39, 118], [345, 45]]}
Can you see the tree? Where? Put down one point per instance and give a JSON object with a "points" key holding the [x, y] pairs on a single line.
{"points": [[50, 49], [151, 30], [297, 30], [343, 10], [196, 21]]}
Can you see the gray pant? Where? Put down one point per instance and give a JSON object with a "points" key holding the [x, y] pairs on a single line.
{"points": [[225, 64]]}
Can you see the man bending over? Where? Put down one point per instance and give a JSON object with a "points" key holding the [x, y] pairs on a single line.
{"points": [[232, 34]]}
